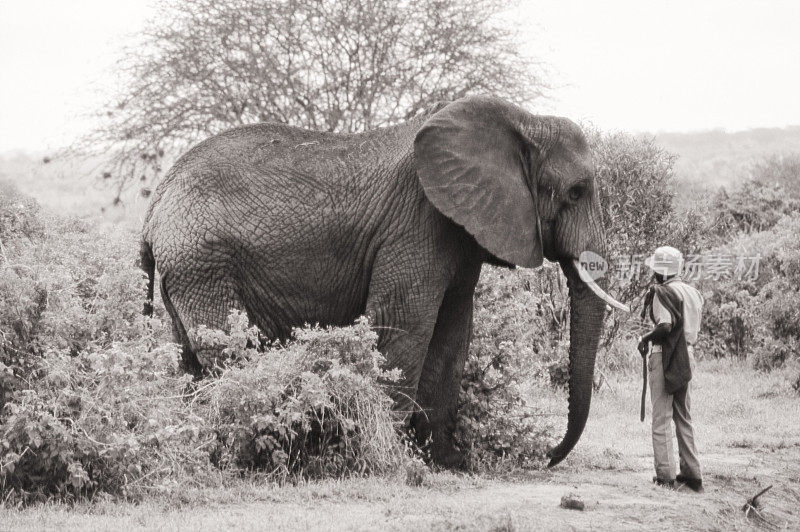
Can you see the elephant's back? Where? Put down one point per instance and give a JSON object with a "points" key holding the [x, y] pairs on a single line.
{"points": [[270, 144], [273, 184], [253, 156]]}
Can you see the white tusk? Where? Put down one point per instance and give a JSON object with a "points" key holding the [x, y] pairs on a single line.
{"points": [[587, 279]]}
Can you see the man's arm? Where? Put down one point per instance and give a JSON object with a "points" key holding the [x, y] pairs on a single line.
{"points": [[662, 329], [657, 335]]}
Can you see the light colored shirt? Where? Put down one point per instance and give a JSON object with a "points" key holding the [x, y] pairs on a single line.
{"points": [[692, 309]]}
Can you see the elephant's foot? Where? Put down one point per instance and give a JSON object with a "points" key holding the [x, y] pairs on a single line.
{"points": [[437, 442], [448, 456], [189, 363], [444, 452]]}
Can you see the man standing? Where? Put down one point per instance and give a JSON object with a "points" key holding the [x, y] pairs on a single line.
{"points": [[674, 308]]}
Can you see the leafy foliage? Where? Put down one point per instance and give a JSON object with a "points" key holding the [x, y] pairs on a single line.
{"points": [[637, 199], [759, 318], [124, 419], [754, 206], [19, 215], [65, 290], [312, 408], [782, 170], [497, 426], [99, 421]]}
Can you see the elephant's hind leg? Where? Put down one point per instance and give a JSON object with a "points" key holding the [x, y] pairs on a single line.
{"points": [[404, 320], [193, 299], [189, 361]]}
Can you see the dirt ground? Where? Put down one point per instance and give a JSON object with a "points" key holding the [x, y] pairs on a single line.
{"points": [[748, 432]]}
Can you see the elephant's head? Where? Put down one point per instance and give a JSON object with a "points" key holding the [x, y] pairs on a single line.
{"points": [[524, 187]]}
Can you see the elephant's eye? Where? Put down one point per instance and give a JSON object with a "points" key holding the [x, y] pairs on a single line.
{"points": [[576, 192]]}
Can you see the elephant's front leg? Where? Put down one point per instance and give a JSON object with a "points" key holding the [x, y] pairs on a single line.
{"points": [[440, 382]]}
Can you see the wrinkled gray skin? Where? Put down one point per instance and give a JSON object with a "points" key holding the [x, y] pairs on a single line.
{"points": [[298, 227]]}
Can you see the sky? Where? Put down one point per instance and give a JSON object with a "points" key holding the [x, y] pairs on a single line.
{"points": [[634, 65]]}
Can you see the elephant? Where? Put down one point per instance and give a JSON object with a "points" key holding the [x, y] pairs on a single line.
{"points": [[295, 226]]}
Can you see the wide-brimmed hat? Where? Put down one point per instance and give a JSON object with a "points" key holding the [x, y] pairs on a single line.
{"points": [[666, 261]]}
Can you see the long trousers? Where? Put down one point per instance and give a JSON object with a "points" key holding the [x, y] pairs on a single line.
{"points": [[675, 408]]}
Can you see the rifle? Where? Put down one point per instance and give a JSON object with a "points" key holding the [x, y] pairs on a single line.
{"points": [[645, 301], [644, 382]]}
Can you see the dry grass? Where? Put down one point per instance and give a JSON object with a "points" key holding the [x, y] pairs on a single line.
{"points": [[748, 432]]}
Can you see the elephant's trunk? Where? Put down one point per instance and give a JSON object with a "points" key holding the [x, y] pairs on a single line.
{"points": [[586, 324]]}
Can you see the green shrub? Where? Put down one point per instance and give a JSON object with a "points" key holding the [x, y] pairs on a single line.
{"points": [[758, 203], [755, 206], [111, 420], [638, 202], [19, 215], [68, 289], [81, 370], [729, 322], [123, 419], [757, 318], [312, 408], [637, 196], [780, 169], [519, 330], [771, 352]]}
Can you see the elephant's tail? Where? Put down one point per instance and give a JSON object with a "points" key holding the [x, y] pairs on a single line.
{"points": [[148, 263]]}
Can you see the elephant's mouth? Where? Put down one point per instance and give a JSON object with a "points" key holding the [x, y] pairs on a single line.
{"points": [[590, 283]]}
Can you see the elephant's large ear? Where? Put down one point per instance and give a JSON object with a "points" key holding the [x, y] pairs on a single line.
{"points": [[473, 163]]}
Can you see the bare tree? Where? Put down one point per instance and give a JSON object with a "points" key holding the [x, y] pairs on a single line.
{"points": [[336, 65]]}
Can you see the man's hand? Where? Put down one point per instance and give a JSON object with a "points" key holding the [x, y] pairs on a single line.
{"points": [[643, 347], [657, 336]]}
